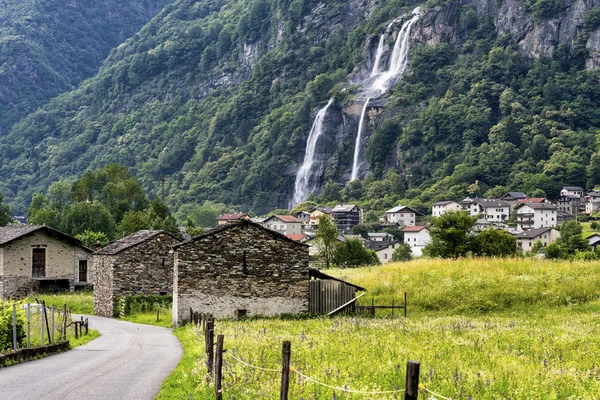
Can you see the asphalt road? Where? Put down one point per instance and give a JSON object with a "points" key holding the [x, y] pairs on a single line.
{"points": [[129, 361]]}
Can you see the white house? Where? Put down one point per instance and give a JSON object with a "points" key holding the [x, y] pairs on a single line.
{"points": [[495, 210], [385, 252], [592, 202], [536, 215], [284, 224], [380, 237], [572, 191], [442, 207], [401, 216], [416, 237], [526, 239]]}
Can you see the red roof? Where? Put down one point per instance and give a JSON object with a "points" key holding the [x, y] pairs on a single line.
{"points": [[414, 228], [297, 237], [287, 218], [231, 217], [533, 200]]}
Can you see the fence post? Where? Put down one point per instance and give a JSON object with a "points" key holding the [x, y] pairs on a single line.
{"points": [[285, 369], [65, 322], [42, 309], [87, 325], [210, 344], [219, 368], [405, 306], [28, 325], [52, 320], [75, 323], [46, 316], [14, 326], [412, 380], [157, 314]]}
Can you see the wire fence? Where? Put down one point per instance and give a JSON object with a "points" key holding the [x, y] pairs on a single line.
{"points": [[215, 365]]}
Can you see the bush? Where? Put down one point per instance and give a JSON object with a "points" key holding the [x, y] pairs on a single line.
{"points": [[402, 253], [127, 305], [6, 325]]}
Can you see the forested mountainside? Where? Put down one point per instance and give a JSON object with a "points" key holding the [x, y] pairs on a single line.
{"points": [[48, 47], [219, 97]]}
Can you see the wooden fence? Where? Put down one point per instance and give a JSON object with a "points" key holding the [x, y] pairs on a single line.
{"points": [[328, 295]]}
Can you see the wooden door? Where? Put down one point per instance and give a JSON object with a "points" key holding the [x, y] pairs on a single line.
{"points": [[38, 265], [83, 265]]}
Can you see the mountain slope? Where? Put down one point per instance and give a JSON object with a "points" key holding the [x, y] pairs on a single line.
{"points": [[48, 47], [219, 98]]}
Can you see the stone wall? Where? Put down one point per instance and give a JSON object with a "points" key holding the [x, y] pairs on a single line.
{"points": [[62, 262], [146, 268], [242, 267]]}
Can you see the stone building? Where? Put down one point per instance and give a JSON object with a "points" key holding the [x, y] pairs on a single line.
{"points": [[141, 263], [34, 258], [240, 269]]}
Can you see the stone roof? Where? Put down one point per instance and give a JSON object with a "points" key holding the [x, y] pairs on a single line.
{"points": [[538, 206], [516, 195], [231, 217], [296, 237], [130, 241], [12, 232], [241, 222], [343, 208]]}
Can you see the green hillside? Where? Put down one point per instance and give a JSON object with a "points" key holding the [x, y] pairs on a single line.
{"points": [[48, 47], [219, 96]]}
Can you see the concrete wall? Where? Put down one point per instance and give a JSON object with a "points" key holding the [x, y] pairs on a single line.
{"points": [[62, 262], [146, 268], [211, 276]]}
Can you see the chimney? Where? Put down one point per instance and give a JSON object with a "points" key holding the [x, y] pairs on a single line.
{"points": [[98, 245]]}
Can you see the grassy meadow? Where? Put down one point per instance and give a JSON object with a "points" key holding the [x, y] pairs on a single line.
{"points": [[481, 328]]}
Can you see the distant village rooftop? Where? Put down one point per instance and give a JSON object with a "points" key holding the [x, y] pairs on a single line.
{"points": [[414, 228]]}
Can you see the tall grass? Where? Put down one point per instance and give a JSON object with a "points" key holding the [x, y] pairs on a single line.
{"points": [[477, 285], [77, 302]]}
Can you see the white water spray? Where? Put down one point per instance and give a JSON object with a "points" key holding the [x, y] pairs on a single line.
{"points": [[304, 184], [385, 80]]}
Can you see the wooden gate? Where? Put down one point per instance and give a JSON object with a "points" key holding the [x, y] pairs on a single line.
{"points": [[327, 295]]}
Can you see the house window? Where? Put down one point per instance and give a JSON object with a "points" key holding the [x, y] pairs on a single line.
{"points": [[529, 244], [38, 264], [83, 270], [385, 256]]}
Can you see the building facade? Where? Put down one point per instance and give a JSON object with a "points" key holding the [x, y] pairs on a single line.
{"points": [[240, 269], [417, 237], [141, 263], [442, 207], [526, 239], [225, 219], [536, 215], [34, 258], [284, 224], [347, 216], [401, 216], [494, 210], [572, 191]]}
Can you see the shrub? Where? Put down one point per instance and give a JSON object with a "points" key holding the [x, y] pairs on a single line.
{"points": [[127, 305], [6, 325]]}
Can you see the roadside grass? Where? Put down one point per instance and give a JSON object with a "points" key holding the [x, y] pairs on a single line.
{"points": [[481, 328], [149, 318], [77, 302], [83, 339]]}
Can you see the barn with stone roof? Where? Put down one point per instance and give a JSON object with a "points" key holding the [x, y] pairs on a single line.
{"points": [[141, 263], [34, 258], [240, 269]]}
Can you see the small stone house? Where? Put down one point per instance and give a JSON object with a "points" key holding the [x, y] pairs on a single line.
{"points": [[34, 258], [141, 263], [240, 269]]}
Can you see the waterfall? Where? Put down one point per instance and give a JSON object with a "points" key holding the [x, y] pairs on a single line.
{"points": [[383, 81], [379, 51], [304, 184]]}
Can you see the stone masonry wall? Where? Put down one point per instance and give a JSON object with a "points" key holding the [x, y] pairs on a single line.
{"points": [[17, 287], [211, 275], [103, 289], [146, 268]]}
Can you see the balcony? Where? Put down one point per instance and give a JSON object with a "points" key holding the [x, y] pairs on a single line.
{"points": [[528, 222], [525, 215]]}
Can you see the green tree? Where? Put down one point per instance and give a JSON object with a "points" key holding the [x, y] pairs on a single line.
{"points": [[494, 243], [304, 206], [402, 253], [331, 192], [191, 228], [91, 239], [326, 239], [59, 195], [84, 216], [5, 217], [38, 202], [132, 222], [450, 235], [160, 218], [353, 253]]}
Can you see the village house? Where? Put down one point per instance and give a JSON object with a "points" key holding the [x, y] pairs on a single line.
{"points": [[240, 269], [346, 216], [513, 198], [572, 191], [442, 207], [533, 200], [569, 204], [315, 214], [380, 237], [592, 203], [546, 235], [536, 215], [594, 241], [284, 224], [483, 224], [231, 218], [298, 237], [416, 237], [141, 263], [35, 258], [494, 210], [304, 217], [385, 250], [401, 216]]}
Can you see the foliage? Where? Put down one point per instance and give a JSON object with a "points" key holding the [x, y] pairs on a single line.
{"points": [[6, 325], [81, 302], [402, 253], [450, 235], [570, 242], [91, 239], [133, 304], [494, 243], [5, 217], [352, 253], [191, 228], [326, 239]]}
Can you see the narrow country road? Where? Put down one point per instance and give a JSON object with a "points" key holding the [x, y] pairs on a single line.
{"points": [[129, 361]]}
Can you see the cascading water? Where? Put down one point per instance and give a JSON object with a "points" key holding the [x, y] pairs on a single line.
{"points": [[304, 184], [383, 81]]}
